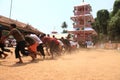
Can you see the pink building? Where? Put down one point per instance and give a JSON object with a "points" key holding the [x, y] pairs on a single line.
{"points": [[82, 20]]}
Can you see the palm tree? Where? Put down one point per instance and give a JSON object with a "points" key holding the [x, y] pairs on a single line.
{"points": [[64, 26]]}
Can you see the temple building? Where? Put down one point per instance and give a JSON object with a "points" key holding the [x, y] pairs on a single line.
{"points": [[82, 20]]}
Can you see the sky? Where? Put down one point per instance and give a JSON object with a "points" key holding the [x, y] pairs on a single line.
{"points": [[48, 15]]}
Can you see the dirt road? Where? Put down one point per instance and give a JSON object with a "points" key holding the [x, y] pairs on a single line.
{"points": [[83, 64]]}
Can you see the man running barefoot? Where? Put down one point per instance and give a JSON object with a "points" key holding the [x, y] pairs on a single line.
{"points": [[21, 44]]}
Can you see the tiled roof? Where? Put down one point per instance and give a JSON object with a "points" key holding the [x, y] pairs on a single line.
{"points": [[25, 27]]}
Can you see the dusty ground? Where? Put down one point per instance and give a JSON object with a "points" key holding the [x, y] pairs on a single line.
{"points": [[83, 64]]}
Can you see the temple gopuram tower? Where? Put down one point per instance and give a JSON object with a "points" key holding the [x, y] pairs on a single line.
{"points": [[82, 20]]}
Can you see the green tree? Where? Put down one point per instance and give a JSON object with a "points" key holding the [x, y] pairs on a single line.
{"points": [[107, 24], [114, 27], [103, 18], [64, 26], [95, 26], [114, 23], [116, 7]]}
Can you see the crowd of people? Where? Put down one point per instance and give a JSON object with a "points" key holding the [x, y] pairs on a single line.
{"points": [[28, 44], [2, 47]]}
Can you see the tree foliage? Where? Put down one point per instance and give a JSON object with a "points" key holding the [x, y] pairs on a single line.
{"points": [[64, 26], [102, 19], [116, 7], [114, 27], [114, 23], [95, 26], [107, 24]]}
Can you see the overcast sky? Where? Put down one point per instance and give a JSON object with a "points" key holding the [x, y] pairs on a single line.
{"points": [[48, 15]]}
